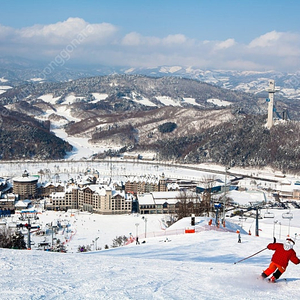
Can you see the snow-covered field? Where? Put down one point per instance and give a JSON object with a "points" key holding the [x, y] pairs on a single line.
{"points": [[172, 265]]}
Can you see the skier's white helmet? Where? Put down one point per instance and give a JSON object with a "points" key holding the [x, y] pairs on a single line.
{"points": [[289, 243]]}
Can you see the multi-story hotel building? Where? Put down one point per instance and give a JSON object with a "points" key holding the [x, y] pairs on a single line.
{"points": [[93, 198], [141, 185], [25, 186]]}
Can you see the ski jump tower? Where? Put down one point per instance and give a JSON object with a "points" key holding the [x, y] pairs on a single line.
{"points": [[272, 90]]}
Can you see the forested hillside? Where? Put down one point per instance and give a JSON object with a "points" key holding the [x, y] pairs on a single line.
{"points": [[22, 137], [176, 118], [243, 141]]}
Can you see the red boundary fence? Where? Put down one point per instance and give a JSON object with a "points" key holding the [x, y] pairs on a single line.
{"points": [[166, 233]]}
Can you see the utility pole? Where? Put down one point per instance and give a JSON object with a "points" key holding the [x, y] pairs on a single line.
{"points": [[225, 192], [256, 227], [29, 227], [28, 234], [217, 206]]}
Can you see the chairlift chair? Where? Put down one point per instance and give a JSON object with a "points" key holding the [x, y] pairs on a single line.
{"points": [[269, 215], [287, 215]]}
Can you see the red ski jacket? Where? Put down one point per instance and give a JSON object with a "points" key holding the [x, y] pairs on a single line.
{"points": [[281, 256]]}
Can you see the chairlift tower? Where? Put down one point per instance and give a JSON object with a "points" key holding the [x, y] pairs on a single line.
{"points": [[271, 90], [225, 190]]}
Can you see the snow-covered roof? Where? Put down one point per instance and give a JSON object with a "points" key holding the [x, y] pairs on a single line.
{"points": [[286, 182], [99, 189], [69, 188], [160, 197], [56, 184], [246, 197], [168, 195], [7, 199], [144, 178], [22, 203], [172, 186], [25, 179], [116, 193], [146, 199]]}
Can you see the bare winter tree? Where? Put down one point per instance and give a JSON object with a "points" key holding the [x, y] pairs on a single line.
{"points": [[188, 204], [208, 182]]}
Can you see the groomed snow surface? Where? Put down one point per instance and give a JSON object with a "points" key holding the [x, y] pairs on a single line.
{"points": [[171, 264]]}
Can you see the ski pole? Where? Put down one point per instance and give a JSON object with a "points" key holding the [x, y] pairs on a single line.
{"points": [[251, 255]]}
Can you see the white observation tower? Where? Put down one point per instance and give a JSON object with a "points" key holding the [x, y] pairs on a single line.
{"points": [[271, 91]]}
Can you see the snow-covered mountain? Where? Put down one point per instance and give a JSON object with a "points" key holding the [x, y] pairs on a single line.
{"points": [[126, 111], [245, 81], [19, 70]]}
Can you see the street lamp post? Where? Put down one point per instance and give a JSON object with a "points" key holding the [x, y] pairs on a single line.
{"points": [[275, 222], [52, 235], [145, 219], [96, 239], [137, 230]]}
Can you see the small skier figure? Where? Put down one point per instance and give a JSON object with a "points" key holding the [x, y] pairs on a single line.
{"points": [[239, 236], [280, 259]]}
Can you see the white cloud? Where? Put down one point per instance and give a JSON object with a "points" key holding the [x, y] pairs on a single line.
{"points": [[136, 39], [225, 44], [132, 39], [63, 32], [275, 50], [174, 39], [103, 43], [280, 44], [68, 28], [6, 32], [266, 40]]}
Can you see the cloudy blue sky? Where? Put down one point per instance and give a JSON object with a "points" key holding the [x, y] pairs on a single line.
{"points": [[209, 34]]}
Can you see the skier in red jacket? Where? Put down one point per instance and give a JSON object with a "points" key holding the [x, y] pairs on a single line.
{"points": [[280, 259]]}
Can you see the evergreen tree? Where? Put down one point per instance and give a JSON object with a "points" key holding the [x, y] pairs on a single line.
{"points": [[9, 239], [17, 240]]}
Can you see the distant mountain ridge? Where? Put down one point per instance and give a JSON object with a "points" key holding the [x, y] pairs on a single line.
{"points": [[21, 70]]}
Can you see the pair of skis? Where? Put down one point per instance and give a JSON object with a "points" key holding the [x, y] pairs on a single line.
{"points": [[276, 281]]}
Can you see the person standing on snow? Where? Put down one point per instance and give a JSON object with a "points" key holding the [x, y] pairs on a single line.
{"points": [[280, 259], [239, 236]]}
